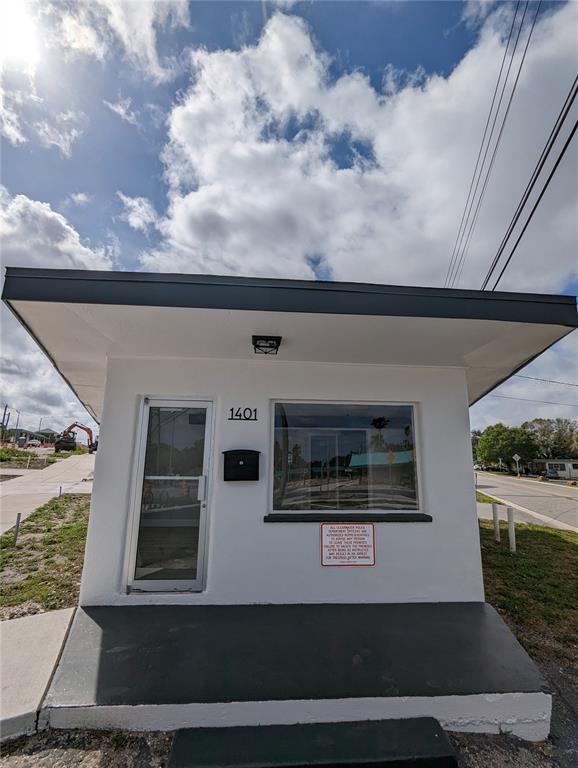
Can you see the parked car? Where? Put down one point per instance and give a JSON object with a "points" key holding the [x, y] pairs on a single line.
{"points": [[33, 444], [550, 474]]}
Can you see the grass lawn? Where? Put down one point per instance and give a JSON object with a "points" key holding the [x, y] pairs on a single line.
{"points": [[42, 572], [484, 498], [15, 453], [535, 589], [14, 458]]}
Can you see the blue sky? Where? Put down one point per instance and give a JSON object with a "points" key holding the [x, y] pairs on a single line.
{"points": [[318, 140]]}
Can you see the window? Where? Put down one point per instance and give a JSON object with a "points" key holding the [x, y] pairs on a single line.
{"points": [[574, 466], [344, 457]]}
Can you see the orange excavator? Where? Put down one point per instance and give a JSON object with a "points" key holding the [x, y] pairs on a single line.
{"points": [[66, 440]]}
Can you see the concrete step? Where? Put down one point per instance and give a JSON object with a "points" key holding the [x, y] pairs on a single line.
{"points": [[410, 743]]}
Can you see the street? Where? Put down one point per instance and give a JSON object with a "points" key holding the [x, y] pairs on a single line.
{"points": [[532, 499]]}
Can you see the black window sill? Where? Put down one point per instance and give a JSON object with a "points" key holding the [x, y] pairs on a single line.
{"points": [[347, 517]]}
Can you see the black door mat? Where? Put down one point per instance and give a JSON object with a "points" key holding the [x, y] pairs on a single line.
{"points": [[409, 743]]}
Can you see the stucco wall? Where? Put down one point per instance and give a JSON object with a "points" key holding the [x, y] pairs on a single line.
{"points": [[250, 561]]}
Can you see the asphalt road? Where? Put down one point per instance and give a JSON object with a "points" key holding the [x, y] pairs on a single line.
{"points": [[557, 502]]}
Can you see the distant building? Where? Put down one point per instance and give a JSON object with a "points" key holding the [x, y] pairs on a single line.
{"points": [[566, 468], [48, 434], [21, 436]]}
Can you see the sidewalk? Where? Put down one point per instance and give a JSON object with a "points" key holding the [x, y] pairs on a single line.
{"points": [[26, 493], [15, 471], [29, 653], [521, 515]]}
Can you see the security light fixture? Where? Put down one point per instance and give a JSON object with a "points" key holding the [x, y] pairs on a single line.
{"points": [[266, 345]]}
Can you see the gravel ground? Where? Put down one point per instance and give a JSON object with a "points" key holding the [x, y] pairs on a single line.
{"points": [[88, 749], [94, 749]]}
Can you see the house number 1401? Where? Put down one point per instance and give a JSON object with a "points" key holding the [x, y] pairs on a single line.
{"points": [[242, 414]]}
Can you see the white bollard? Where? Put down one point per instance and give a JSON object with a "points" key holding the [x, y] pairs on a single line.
{"points": [[511, 530], [496, 523]]}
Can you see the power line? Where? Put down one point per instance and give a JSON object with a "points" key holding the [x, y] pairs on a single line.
{"points": [[546, 381], [494, 153], [454, 251], [529, 400], [544, 188], [536, 172]]}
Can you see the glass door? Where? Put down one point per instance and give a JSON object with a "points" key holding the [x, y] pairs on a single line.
{"points": [[170, 541]]}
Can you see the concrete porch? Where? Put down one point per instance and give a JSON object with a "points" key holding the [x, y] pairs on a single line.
{"points": [[176, 666]]}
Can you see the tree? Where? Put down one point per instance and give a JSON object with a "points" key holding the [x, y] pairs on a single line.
{"points": [[501, 442], [556, 438], [377, 441], [522, 442], [491, 444], [476, 434]]}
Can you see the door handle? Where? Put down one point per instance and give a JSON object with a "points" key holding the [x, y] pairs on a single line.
{"points": [[202, 488]]}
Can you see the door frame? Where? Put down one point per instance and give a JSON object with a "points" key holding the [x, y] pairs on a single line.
{"points": [[165, 585]]}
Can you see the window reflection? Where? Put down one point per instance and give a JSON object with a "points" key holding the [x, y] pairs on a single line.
{"points": [[344, 457]]}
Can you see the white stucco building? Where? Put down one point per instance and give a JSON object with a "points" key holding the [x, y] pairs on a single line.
{"points": [[349, 490]]}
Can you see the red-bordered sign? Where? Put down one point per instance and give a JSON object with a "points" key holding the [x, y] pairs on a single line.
{"points": [[347, 545]]}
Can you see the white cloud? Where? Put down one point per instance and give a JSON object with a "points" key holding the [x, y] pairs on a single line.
{"points": [[92, 27], [156, 114], [10, 124], [77, 33], [138, 212], [258, 187], [79, 198], [34, 235], [136, 24], [476, 11], [61, 131], [25, 115], [395, 80], [122, 108]]}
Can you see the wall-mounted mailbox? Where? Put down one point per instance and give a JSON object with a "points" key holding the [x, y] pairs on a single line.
{"points": [[241, 465]]}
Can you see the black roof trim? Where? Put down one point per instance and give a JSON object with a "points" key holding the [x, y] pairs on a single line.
{"points": [[280, 295]]}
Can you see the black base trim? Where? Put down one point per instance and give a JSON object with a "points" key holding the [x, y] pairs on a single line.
{"points": [[183, 654], [367, 744], [347, 517]]}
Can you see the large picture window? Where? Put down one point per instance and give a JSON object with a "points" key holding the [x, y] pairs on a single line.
{"points": [[331, 456]]}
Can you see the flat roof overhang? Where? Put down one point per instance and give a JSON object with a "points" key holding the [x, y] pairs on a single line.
{"points": [[81, 318]]}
